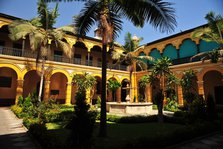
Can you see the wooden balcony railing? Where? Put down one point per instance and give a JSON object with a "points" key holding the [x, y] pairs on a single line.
{"points": [[56, 58]]}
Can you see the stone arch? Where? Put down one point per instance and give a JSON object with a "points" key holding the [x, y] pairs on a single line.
{"points": [[170, 51], [15, 68], [68, 76], [187, 48], [155, 53], [213, 85], [31, 83], [123, 89], [58, 87], [111, 95], [206, 69], [8, 86]]}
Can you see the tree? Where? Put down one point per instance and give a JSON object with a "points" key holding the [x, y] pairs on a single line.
{"points": [[161, 70], [212, 33], [113, 85], [40, 33], [128, 56], [83, 121], [107, 14]]}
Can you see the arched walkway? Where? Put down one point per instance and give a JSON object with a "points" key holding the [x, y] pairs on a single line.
{"points": [[8, 85], [213, 85], [58, 87], [31, 83], [124, 90]]}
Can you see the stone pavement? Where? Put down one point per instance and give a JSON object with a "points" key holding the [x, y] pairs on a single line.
{"points": [[12, 133], [211, 141]]}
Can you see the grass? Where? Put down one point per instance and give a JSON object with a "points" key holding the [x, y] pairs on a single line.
{"points": [[120, 134]]}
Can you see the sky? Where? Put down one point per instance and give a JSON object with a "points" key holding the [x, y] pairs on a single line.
{"points": [[189, 14]]}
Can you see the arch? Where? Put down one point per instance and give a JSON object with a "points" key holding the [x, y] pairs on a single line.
{"points": [[155, 53], [15, 68], [187, 48], [58, 87], [213, 85], [206, 69], [170, 51], [31, 83], [205, 46], [123, 89], [68, 76], [8, 85]]}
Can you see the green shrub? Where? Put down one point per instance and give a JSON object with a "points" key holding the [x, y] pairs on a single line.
{"points": [[30, 121], [17, 110], [171, 105]]}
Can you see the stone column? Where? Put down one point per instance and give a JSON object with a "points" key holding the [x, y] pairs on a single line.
{"points": [[118, 95], [46, 90], [88, 96], [180, 95], [19, 89], [68, 93], [201, 88], [134, 89], [149, 93]]}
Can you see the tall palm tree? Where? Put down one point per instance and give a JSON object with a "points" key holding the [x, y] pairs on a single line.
{"points": [[128, 56], [40, 32], [107, 14], [212, 33]]}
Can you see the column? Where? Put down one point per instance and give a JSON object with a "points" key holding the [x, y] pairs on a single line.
{"points": [[46, 90], [149, 93], [134, 89], [88, 96], [68, 93], [201, 88], [19, 89], [118, 95], [180, 95]]}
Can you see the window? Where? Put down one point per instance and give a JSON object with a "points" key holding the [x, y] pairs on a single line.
{"points": [[58, 56], [5, 82], [2, 44], [54, 92], [77, 59], [17, 49], [89, 62]]}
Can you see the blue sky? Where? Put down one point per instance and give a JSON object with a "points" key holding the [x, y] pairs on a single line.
{"points": [[189, 14]]}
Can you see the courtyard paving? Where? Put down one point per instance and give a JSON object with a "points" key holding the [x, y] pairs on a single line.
{"points": [[13, 135]]}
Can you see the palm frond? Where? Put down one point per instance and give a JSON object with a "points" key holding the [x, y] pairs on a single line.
{"points": [[68, 29], [87, 17], [20, 28], [158, 13], [65, 47]]}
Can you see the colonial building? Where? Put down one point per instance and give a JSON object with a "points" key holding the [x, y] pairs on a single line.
{"points": [[19, 75], [180, 48]]}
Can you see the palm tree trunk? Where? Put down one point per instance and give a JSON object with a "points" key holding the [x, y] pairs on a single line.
{"points": [[41, 80], [103, 126]]}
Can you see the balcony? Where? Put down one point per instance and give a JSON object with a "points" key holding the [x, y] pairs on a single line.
{"points": [[56, 58]]}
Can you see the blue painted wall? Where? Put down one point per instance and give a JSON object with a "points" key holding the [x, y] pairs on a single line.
{"points": [[188, 48], [207, 46], [155, 54], [170, 51]]}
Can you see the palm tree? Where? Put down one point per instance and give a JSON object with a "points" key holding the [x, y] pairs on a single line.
{"points": [[128, 56], [161, 70], [40, 33], [107, 14], [113, 85], [212, 33]]}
